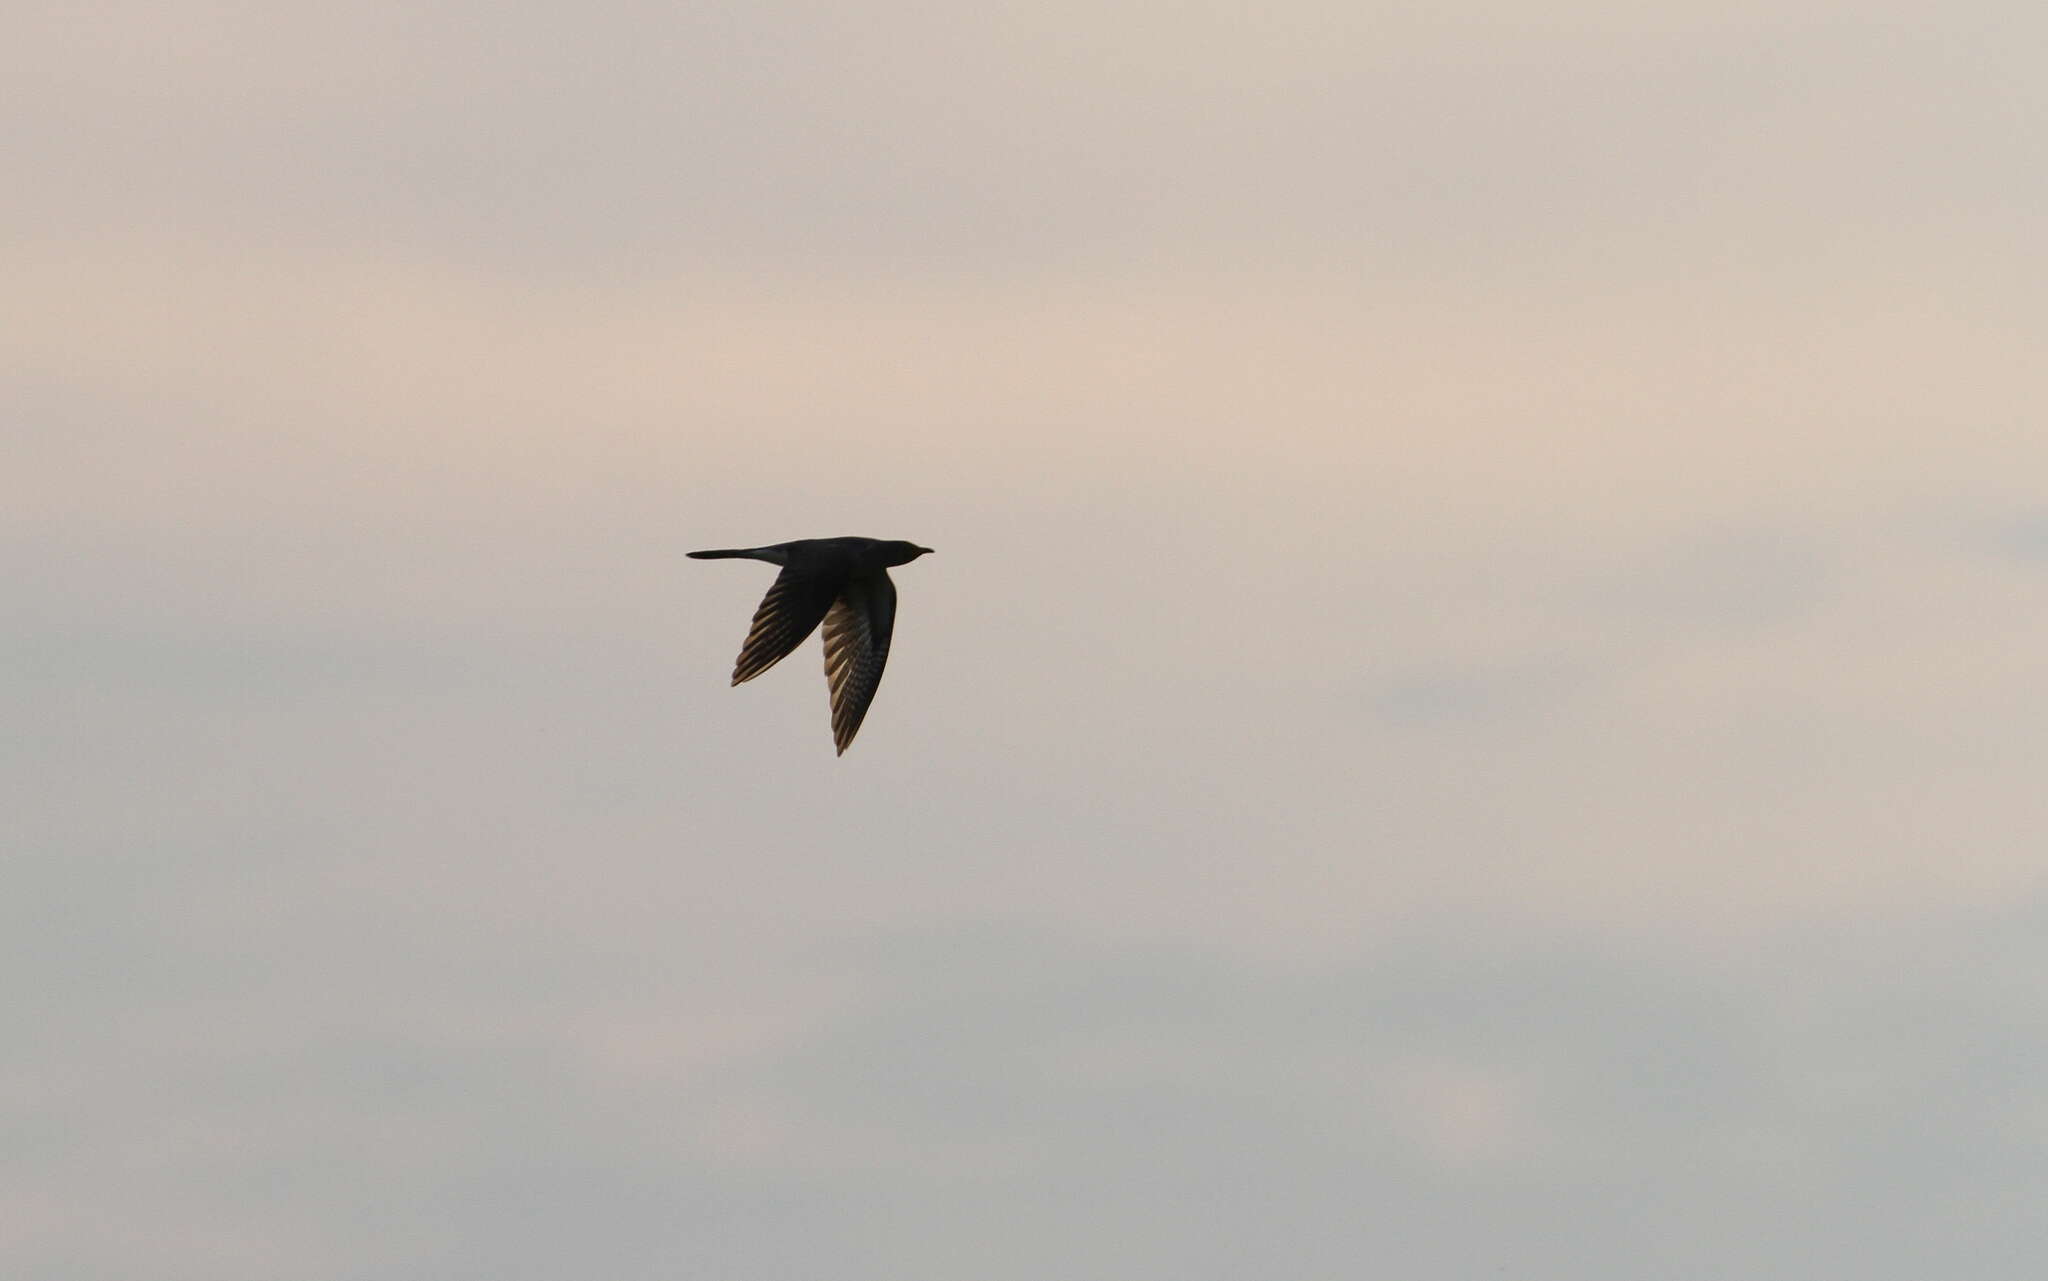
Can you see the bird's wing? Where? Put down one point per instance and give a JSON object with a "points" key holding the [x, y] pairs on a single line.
{"points": [[788, 613], [857, 630]]}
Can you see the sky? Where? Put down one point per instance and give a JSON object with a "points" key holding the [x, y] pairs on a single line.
{"points": [[1478, 709]]}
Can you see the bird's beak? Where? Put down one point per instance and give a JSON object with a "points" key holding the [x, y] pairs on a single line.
{"points": [[926, 550]]}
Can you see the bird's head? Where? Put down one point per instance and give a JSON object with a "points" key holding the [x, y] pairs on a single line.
{"points": [[902, 553]]}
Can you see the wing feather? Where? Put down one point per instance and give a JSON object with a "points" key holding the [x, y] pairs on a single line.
{"points": [[789, 612], [857, 630]]}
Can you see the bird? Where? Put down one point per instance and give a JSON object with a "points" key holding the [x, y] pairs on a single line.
{"points": [[842, 583]]}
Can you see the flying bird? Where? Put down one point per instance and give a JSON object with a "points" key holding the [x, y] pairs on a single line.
{"points": [[843, 583]]}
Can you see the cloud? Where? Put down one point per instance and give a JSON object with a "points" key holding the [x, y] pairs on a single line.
{"points": [[1018, 135], [1479, 702]]}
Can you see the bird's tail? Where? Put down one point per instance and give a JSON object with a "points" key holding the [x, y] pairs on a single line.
{"points": [[773, 555]]}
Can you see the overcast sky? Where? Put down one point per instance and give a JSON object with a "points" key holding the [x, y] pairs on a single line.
{"points": [[1480, 709]]}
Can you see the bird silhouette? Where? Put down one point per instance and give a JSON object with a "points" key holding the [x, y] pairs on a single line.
{"points": [[843, 583]]}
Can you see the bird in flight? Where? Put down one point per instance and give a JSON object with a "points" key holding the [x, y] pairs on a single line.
{"points": [[843, 583]]}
